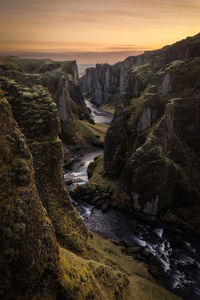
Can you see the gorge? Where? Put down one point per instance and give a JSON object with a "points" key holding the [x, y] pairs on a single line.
{"points": [[170, 248], [120, 145]]}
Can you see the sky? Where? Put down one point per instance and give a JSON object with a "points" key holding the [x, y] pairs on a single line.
{"points": [[93, 31]]}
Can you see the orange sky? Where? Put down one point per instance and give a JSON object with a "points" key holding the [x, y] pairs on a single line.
{"points": [[94, 30]]}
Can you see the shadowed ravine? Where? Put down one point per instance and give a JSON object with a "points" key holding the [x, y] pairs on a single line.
{"points": [[174, 252]]}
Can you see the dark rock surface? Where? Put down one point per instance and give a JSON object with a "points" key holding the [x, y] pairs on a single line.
{"points": [[32, 263], [152, 146], [29, 254], [61, 80], [104, 81], [37, 116]]}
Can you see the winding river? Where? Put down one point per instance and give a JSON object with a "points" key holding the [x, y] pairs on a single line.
{"points": [[176, 253]]}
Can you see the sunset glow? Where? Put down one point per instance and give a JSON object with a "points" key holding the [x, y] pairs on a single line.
{"points": [[93, 30]]}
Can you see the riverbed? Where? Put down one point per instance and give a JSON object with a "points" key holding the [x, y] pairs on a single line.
{"points": [[99, 115], [176, 253]]}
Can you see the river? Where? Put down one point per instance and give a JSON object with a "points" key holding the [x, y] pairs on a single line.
{"points": [[97, 114], [175, 252]]}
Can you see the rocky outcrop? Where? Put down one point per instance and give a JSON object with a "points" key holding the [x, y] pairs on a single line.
{"points": [[32, 265], [152, 146], [102, 82], [29, 259], [37, 116], [61, 79], [182, 50], [37, 66]]}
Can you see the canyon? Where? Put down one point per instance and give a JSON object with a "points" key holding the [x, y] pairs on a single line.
{"points": [[99, 195]]}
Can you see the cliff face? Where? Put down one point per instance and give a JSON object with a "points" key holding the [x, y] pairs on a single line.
{"points": [[182, 50], [151, 150], [102, 82], [37, 117], [29, 256], [152, 146], [61, 79], [32, 265]]}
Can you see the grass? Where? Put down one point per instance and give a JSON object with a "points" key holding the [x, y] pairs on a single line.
{"points": [[108, 108], [97, 129], [89, 133], [97, 175], [30, 65], [142, 284], [106, 271], [119, 197], [90, 279]]}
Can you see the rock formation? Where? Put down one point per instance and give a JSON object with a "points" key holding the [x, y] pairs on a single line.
{"points": [[29, 251], [151, 158], [101, 82], [151, 165], [105, 81], [37, 117], [32, 265], [61, 79], [153, 143]]}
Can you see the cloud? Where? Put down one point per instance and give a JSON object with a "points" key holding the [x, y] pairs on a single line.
{"points": [[94, 26]]}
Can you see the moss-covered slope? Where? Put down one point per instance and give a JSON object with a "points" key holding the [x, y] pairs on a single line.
{"points": [[29, 256], [32, 265], [61, 79], [37, 117]]}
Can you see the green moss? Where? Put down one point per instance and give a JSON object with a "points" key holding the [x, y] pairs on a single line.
{"points": [[40, 121], [174, 64], [101, 190], [20, 228], [38, 118], [28, 95], [141, 284], [24, 240], [108, 108], [70, 78], [89, 134], [137, 80], [21, 171], [87, 279]]}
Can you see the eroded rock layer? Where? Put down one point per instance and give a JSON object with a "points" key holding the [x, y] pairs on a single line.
{"points": [[32, 265], [104, 83], [61, 80], [29, 260], [37, 116], [151, 159], [153, 143]]}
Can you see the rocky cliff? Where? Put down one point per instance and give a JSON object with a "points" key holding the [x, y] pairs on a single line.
{"points": [[37, 117], [32, 265], [46, 251], [61, 79], [101, 82], [105, 82], [29, 256], [151, 158], [153, 142]]}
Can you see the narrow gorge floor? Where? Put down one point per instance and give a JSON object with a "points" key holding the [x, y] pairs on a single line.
{"points": [[173, 251]]}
